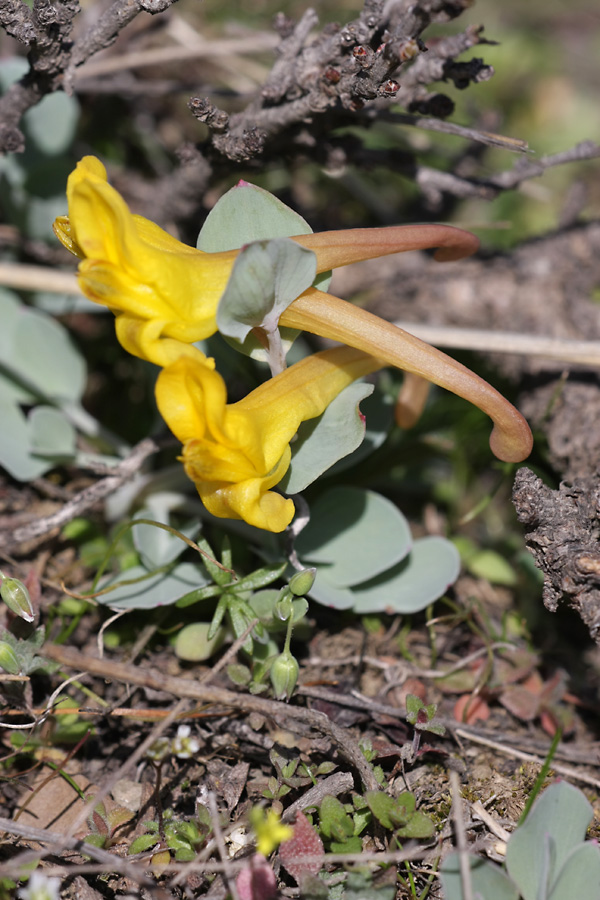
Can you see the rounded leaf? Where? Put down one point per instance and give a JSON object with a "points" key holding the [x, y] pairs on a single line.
{"points": [[266, 278], [192, 643], [432, 565], [487, 880], [162, 589], [353, 536], [558, 821], [52, 434]]}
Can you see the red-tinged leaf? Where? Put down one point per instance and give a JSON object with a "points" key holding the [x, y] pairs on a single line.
{"points": [[98, 823], [548, 722], [469, 709], [533, 683], [410, 686], [522, 703], [32, 583], [257, 880], [305, 842], [553, 690]]}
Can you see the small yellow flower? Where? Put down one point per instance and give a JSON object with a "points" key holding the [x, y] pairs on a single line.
{"points": [[270, 832], [236, 453], [165, 294]]}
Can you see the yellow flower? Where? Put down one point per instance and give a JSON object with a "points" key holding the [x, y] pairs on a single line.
{"points": [[270, 831], [165, 294], [235, 453]]}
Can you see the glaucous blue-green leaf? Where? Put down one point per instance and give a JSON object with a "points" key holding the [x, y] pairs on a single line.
{"points": [[378, 411], [328, 594], [11, 69], [558, 821], [248, 213], [487, 880], [321, 442], [38, 352], [44, 355], [423, 576], [51, 124], [267, 276], [579, 878], [357, 534], [193, 645], [65, 304], [11, 309], [155, 545], [162, 589], [52, 434], [15, 444]]}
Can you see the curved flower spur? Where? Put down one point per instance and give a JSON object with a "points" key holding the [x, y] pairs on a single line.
{"points": [[166, 295]]}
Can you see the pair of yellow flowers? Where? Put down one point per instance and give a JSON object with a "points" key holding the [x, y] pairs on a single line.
{"points": [[165, 294]]}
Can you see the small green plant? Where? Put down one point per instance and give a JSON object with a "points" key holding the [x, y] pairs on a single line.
{"points": [[422, 717], [291, 773], [174, 837], [341, 824], [547, 857], [399, 814], [370, 754], [18, 656], [105, 823]]}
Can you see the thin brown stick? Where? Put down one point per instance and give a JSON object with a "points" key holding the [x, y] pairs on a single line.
{"points": [[53, 838], [255, 43], [182, 687], [85, 499], [230, 653], [461, 837]]}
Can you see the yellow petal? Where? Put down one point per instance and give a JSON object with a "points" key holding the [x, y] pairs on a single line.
{"points": [[137, 269], [330, 317], [236, 453]]}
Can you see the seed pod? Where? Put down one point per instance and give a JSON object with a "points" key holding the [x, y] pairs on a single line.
{"points": [[284, 675], [16, 596], [8, 659], [301, 582]]}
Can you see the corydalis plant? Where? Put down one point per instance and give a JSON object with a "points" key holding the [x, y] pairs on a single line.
{"points": [[166, 295]]}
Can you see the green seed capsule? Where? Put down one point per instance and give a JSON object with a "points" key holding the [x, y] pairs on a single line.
{"points": [[284, 675], [8, 659], [302, 582], [16, 596]]}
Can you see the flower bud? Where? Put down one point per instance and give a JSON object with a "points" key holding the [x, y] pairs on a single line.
{"points": [[16, 596], [302, 582], [8, 659], [284, 675]]}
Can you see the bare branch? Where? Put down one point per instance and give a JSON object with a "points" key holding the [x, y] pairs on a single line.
{"points": [[16, 18], [46, 30], [106, 30]]}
